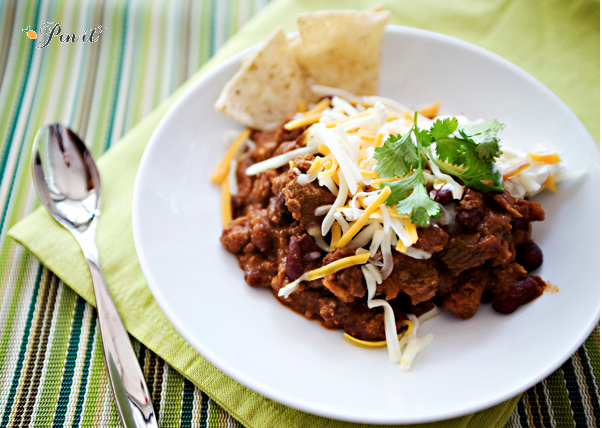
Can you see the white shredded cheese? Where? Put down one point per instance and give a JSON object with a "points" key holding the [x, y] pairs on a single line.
{"points": [[364, 237], [371, 122], [342, 222], [417, 254], [329, 139], [385, 249], [375, 272], [390, 329], [388, 102], [401, 232], [232, 181], [322, 210], [411, 345], [370, 282], [314, 232], [339, 202], [344, 105], [376, 241], [280, 160]]}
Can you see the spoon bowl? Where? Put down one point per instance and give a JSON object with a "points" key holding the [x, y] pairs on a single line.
{"points": [[65, 176]]}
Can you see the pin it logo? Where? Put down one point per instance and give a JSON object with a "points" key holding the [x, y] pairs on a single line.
{"points": [[52, 30]]}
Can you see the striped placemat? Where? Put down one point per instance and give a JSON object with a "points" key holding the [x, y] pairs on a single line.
{"points": [[51, 364]]}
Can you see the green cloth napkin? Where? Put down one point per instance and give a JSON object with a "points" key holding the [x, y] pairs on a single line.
{"points": [[556, 41]]}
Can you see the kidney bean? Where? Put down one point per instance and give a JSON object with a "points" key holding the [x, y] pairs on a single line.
{"points": [[294, 259], [443, 196], [523, 290], [529, 255]]}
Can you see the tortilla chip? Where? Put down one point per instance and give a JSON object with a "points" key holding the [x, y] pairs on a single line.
{"points": [[266, 88], [342, 48]]}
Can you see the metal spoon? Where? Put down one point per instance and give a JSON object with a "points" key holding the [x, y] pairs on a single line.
{"points": [[68, 184]]}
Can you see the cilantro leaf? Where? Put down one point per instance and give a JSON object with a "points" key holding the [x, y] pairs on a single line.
{"points": [[482, 132], [478, 183], [453, 150], [443, 128], [488, 150], [401, 189], [485, 136], [397, 156], [480, 174], [420, 206], [424, 138]]}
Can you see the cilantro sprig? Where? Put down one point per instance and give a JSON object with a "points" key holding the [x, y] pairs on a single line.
{"points": [[474, 151]]}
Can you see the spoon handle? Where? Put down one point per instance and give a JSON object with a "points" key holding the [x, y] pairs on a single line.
{"points": [[129, 386]]}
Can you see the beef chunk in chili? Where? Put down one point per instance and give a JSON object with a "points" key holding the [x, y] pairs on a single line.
{"points": [[347, 284]]}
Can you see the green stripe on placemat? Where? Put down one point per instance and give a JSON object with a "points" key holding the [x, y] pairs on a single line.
{"points": [[51, 361]]}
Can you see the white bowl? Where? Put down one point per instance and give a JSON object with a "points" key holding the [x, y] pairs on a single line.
{"points": [[471, 364]]}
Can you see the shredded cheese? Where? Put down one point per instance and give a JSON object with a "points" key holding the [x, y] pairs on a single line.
{"points": [[366, 136], [337, 265], [410, 326], [379, 140], [411, 345], [410, 228], [385, 250], [323, 150], [516, 171], [415, 253], [333, 123], [316, 165], [390, 329], [314, 232], [339, 201], [550, 183], [364, 237], [364, 217], [280, 160], [320, 106], [401, 247], [549, 159], [365, 343], [232, 177], [431, 110], [223, 167], [332, 169], [378, 343], [335, 235], [307, 119]]}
